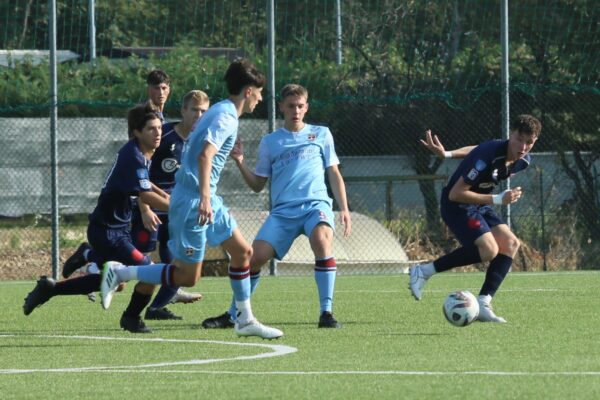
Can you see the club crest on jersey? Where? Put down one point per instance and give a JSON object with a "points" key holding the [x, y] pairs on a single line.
{"points": [[311, 136], [472, 174], [189, 251], [169, 165], [145, 184]]}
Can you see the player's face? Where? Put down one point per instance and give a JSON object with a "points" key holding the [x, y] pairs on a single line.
{"points": [[254, 96], [149, 136], [158, 94], [520, 144], [193, 111], [294, 109]]}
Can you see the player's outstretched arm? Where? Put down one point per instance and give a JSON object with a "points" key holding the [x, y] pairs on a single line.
{"points": [[338, 187], [460, 193], [255, 182], [434, 145]]}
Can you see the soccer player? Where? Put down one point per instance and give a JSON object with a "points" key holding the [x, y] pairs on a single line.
{"points": [[197, 214], [159, 88], [296, 158], [165, 163], [466, 208], [108, 229]]}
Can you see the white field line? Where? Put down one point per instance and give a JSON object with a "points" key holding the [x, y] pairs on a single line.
{"points": [[276, 351]]}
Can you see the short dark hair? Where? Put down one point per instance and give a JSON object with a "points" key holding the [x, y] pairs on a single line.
{"points": [[241, 73], [292, 89], [158, 76], [138, 116], [527, 124]]}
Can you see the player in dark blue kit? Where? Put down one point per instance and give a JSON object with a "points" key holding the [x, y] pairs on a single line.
{"points": [[109, 224], [165, 163], [466, 209]]}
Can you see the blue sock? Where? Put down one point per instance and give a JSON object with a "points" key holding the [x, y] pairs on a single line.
{"points": [[163, 297], [239, 278], [325, 271], [496, 272], [254, 279], [462, 256], [156, 274]]}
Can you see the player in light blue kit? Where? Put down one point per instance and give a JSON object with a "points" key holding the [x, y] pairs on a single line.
{"points": [[152, 226], [466, 209], [197, 214], [296, 158]]}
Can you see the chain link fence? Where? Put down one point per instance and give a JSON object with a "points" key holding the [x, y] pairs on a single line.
{"points": [[405, 67]]}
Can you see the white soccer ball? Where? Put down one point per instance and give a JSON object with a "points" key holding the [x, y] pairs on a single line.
{"points": [[461, 308]]}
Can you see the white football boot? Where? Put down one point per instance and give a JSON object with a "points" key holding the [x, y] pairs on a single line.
{"points": [[185, 297], [486, 313], [109, 283], [255, 328], [417, 280]]}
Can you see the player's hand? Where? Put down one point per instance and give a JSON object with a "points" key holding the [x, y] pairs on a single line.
{"points": [[433, 144], [346, 222], [237, 153], [205, 212], [150, 220], [512, 195]]}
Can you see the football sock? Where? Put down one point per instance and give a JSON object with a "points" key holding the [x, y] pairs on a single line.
{"points": [[163, 297], [466, 255], [254, 279], [155, 274], [239, 278], [325, 271], [496, 272], [81, 285], [137, 303]]}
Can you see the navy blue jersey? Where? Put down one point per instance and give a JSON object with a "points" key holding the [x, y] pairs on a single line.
{"points": [[128, 177], [166, 159], [484, 167]]}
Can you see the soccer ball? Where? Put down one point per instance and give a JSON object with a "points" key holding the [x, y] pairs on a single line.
{"points": [[461, 308]]}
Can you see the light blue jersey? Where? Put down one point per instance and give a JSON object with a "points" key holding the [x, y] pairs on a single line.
{"points": [[219, 127], [296, 164]]}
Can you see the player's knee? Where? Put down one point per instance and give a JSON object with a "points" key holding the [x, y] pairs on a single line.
{"points": [[488, 252], [512, 245]]}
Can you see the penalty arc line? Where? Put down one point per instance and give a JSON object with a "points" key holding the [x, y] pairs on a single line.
{"points": [[277, 351]]}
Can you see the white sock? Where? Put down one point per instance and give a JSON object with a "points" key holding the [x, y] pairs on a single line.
{"points": [[244, 312], [126, 274], [485, 299], [428, 269]]}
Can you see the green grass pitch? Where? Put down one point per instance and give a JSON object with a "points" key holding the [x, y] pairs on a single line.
{"points": [[390, 346]]}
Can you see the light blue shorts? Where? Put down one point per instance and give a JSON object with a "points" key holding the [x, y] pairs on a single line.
{"points": [[188, 239], [284, 225]]}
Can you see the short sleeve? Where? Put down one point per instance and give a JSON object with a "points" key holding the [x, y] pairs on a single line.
{"points": [[329, 155], [263, 163]]}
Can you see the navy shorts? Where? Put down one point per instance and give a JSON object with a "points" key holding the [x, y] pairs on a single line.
{"points": [[469, 221], [114, 245], [145, 240]]}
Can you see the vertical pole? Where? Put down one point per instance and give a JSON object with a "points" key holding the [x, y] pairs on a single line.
{"points": [[543, 216], [271, 88], [505, 89], [92, 30], [53, 136], [338, 23]]}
